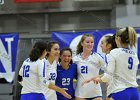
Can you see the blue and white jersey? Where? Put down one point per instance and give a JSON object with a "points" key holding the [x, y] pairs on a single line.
{"points": [[122, 68], [106, 58], [50, 75], [65, 80], [32, 76], [88, 68]]}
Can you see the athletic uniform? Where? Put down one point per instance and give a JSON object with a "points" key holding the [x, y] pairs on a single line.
{"points": [[88, 68], [32, 79], [122, 68], [65, 80], [50, 75]]}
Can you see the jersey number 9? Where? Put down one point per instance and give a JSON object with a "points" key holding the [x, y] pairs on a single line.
{"points": [[130, 63]]}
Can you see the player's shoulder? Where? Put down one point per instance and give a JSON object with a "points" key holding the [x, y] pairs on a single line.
{"points": [[122, 50], [73, 65], [96, 54], [40, 62], [58, 66], [76, 57], [116, 50], [27, 61]]}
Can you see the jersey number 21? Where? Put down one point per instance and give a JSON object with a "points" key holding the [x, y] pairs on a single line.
{"points": [[84, 69]]}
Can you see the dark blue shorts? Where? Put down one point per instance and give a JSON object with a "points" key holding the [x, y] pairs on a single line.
{"points": [[32, 96], [127, 94]]}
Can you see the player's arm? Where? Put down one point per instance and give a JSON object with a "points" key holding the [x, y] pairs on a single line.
{"points": [[47, 83], [60, 90], [110, 69], [108, 73], [20, 78], [102, 63], [20, 74], [92, 79]]}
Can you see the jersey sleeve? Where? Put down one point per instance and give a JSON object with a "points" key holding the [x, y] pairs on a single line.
{"points": [[110, 68], [75, 59], [42, 72], [102, 63]]}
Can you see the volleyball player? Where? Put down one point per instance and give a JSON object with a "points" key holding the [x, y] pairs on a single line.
{"points": [[31, 76], [50, 73], [66, 73], [88, 65], [122, 67]]}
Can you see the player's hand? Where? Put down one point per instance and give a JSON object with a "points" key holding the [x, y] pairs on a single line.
{"points": [[97, 80], [89, 80], [65, 94]]}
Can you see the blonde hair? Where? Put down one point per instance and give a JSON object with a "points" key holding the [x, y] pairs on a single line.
{"points": [[79, 46], [128, 36]]}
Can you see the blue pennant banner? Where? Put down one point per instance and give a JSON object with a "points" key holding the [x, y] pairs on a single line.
{"points": [[8, 52]]}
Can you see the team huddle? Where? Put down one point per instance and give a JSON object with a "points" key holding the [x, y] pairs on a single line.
{"points": [[48, 73]]}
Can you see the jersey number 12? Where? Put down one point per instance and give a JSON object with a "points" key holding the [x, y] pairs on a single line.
{"points": [[26, 69]]}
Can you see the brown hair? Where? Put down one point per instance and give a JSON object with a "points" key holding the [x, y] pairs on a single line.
{"points": [[50, 45], [111, 40], [128, 35], [79, 46], [66, 49], [37, 50]]}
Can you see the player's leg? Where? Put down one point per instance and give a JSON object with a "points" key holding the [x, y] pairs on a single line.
{"points": [[98, 98], [77, 98], [109, 99], [95, 98]]}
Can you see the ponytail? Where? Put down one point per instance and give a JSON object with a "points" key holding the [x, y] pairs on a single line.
{"points": [[132, 36], [128, 36]]}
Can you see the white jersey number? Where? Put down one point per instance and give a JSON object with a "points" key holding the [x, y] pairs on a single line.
{"points": [[65, 81]]}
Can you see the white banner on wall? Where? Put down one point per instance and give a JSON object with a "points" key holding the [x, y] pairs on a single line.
{"points": [[1, 2]]}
